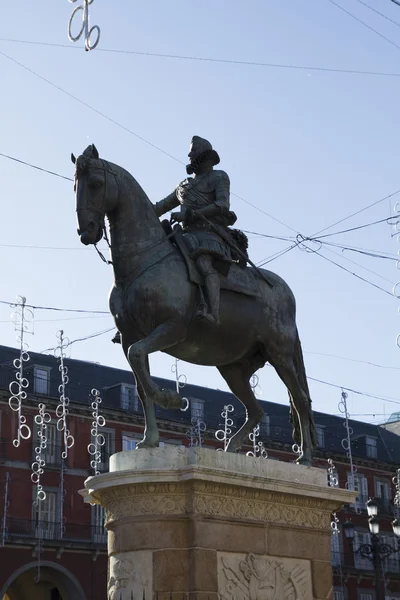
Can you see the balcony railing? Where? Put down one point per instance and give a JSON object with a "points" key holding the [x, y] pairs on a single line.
{"points": [[354, 562], [74, 533]]}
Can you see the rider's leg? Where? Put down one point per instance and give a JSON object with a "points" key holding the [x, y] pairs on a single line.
{"points": [[204, 263]]}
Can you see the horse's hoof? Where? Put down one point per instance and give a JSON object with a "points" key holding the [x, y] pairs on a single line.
{"points": [[304, 460]]}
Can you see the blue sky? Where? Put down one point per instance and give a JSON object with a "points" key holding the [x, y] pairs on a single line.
{"points": [[308, 147]]}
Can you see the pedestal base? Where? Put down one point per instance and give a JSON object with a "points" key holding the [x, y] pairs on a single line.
{"points": [[196, 523]]}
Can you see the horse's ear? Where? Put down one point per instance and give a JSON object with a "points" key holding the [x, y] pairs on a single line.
{"points": [[95, 152], [73, 158]]}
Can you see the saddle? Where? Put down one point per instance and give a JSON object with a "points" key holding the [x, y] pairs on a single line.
{"points": [[235, 279]]}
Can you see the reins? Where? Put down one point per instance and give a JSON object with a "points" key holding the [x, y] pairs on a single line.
{"points": [[110, 262]]}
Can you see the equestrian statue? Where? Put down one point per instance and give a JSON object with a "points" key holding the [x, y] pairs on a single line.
{"points": [[186, 290]]}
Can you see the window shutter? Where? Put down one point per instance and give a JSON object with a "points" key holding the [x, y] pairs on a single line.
{"points": [[364, 487]]}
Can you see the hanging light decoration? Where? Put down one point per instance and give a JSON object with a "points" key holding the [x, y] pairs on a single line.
{"points": [[86, 30], [62, 409], [223, 435], [98, 439], [22, 318], [258, 447]]}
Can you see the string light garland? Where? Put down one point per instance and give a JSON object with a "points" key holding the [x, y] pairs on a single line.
{"points": [[22, 319], [85, 28], [62, 410], [223, 435], [98, 439], [258, 447], [41, 420]]}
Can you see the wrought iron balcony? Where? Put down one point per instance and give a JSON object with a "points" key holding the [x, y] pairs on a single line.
{"points": [[343, 562], [24, 530]]}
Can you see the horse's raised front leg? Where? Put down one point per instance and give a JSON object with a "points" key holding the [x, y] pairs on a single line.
{"points": [[163, 337], [237, 376]]}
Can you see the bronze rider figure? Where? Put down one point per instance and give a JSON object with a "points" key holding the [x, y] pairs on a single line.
{"points": [[206, 194]]}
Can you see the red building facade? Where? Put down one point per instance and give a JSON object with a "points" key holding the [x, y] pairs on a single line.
{"points": [[57, 550]]}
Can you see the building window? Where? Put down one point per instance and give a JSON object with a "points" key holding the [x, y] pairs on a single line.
{"points": [[366, 595], [391, 563], [98, 518], [41, 380], [321, 435], [128, 442], [383, 493], [359, 561], [197, 409], [46, 516], [51, 453], [265, 428], [371, 447], [106, 449], [360, 485], [338, 594], [336, 554], [129, 398]]}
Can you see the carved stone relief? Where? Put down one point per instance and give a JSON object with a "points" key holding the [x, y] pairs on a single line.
{"points": [[254, 577], [130, 576], [223, 501]]}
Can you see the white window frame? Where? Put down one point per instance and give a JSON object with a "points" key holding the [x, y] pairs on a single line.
{"points": [[321, 435], [360, 486], [393, 559], [365, 594], [336, 549], [127, 402], [129, 442], [197, 409], [339, 593], [371, 447], [109, 434], [265, 426], [364, 564], [52, 453], [44, 381], [97, 519], [49, 525]]}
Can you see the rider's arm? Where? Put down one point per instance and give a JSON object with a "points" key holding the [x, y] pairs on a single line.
{"points": [[221, 203], [166, 204]]}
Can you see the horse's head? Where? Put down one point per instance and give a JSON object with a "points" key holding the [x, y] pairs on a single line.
{"points": [[96, 189]]}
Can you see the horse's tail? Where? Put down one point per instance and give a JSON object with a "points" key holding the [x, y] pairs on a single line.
{"points": [[302, 377]]}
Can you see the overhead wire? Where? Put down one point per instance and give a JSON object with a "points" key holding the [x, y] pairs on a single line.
{"points": [[213, 60], [361, 266], [378, 13], [355, 360], [95, 110], [74, 310], [386, 219], [35, 166], [354, 274], [357, 212], [365, 24]]}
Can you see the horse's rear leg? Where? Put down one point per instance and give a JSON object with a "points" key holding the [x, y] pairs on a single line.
{"points": [[300, 405], [237, 376], [164, 336]]}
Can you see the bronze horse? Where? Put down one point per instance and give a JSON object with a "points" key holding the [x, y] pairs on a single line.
{"points": [[153, 303]]}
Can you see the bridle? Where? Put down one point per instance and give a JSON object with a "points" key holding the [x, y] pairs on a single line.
{"points": [[106, 169]]}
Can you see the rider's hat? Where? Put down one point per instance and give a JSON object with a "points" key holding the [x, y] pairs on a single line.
{"points": [[206, 151]]}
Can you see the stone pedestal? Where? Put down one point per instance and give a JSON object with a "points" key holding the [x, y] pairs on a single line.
{"points": [[193, 523]]}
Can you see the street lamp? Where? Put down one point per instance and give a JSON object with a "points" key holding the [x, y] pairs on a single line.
{"points": [[376, 551], [372, 508]]}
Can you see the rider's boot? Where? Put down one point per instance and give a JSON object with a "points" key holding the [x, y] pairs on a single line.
{"points": [[212, 286]]}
